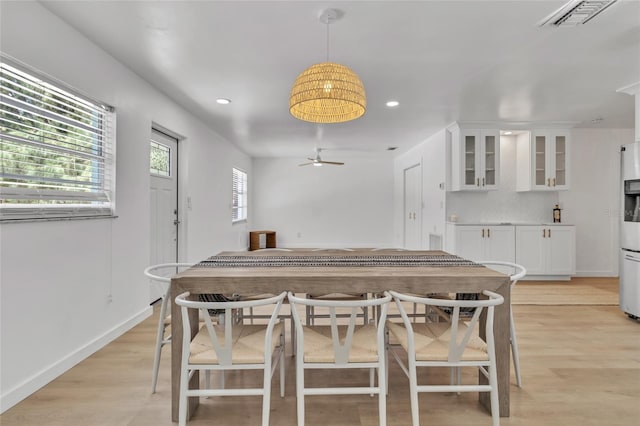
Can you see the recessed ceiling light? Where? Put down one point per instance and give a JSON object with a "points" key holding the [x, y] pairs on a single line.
{"points": [[392, 104], [223, 101], [508, 132]]}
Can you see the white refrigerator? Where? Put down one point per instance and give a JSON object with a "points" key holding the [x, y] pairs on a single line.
{"points": [[630, 231]]}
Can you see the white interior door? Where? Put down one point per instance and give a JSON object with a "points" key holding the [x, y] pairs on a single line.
{"points": [[164, 202], [412, 207]]}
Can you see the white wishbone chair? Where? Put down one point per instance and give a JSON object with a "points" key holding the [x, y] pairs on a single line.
{"points": [[231, 346], [160, 275], [516, 272], [310, 311], [253, 316], [341, 346], [455, 344]]}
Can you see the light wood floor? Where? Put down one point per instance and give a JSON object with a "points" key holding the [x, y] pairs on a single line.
{"points": [[580, 366]]}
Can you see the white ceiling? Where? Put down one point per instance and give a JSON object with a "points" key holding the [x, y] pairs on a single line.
{"points": [[444, 61]]}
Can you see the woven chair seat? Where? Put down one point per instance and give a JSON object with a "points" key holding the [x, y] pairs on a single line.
{"points": [[248, 344], [432, 341], [318, 345]]}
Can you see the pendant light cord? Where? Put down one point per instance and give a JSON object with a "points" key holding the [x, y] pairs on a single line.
{"points": [[328, 22]]}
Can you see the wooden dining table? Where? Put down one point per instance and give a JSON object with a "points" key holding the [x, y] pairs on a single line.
{"points": [[338, 271]]}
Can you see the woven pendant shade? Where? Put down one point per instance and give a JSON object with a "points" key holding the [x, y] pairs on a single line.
{"points": [[327, 93]]}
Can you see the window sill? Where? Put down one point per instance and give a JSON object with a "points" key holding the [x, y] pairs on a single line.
{"points": [[53, 219]]}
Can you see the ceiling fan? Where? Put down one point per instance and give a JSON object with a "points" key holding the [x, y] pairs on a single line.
{"points": [[317, 161]]}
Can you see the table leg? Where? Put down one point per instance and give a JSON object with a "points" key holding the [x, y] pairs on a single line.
{"points": [[176, 356], [501, 328]]}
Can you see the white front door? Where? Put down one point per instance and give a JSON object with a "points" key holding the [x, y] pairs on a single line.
{"points": [[413, 207], [164, 202]]}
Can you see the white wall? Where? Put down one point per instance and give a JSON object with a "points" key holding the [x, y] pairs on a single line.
{"points": [[328, 206], [69, 287], [431, 154], [593, 202]]}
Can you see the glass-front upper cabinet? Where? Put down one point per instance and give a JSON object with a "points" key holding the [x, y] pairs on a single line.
{"points": [[543, 159], [491, 143], [475, 156], [560, 179], [470, 142], [540, 143]]}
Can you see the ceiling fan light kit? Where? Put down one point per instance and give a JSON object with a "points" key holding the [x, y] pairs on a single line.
{"points": [[328, 92]]}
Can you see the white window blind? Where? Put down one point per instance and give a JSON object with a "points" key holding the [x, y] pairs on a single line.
{"points": [[239, 210], [57, 150]]}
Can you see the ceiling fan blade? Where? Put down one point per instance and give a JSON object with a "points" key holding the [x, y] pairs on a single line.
{"points": [[304, 164], [335, 163]]}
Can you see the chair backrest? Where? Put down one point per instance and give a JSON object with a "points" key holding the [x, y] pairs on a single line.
{"points": [[341, 351], [514, 270], [224, 349], [161, 274], [457, 343]]}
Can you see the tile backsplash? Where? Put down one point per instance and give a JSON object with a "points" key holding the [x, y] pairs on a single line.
{"points": [[502, 206]]}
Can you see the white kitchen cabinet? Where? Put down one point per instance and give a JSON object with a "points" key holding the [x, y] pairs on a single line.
{"points": [[543, 160], [546, 251], [475, 159], [476, 242]]}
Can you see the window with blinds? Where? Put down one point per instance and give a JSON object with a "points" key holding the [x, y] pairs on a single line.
{"points": [[57, 156], [239, 210]]}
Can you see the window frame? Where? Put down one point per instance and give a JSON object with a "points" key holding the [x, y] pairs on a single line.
{"points": [[47, 108], [239, 195]]}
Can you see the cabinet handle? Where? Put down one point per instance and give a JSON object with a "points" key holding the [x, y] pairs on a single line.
{"points": [[482, 181], [554, 181], [544, 233], [549, 233], [483, 233], [548, 181], [478, 182], [488, 233]]}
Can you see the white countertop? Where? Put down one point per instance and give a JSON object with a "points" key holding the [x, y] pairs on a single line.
{"points": [[509, 224]]}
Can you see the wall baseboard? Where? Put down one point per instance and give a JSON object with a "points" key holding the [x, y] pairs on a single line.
{"points": [[37, 381], [596, 274]]}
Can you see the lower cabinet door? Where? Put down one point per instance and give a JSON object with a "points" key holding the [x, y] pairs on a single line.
{"points": [[561, 252], [500, 244], [470, 242], [531, 248]]}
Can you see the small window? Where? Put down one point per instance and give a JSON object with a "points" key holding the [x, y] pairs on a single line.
{"points": [[160, 159], [56, 149], [239, 212]]}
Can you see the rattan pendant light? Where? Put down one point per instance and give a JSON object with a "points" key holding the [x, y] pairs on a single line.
{"points": [[327, 92]]}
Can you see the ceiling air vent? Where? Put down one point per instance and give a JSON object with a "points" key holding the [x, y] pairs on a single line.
{"points": [[575, 12]]}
